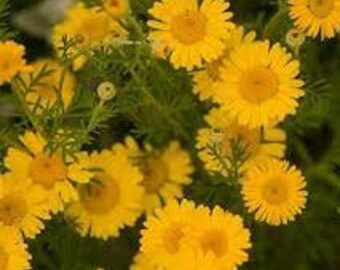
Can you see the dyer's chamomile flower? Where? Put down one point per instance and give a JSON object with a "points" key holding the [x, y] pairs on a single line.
{"points": [[23, 206], [47, 170], [216, 143], [55, 81], [12, 60], [13, 251], [112, 198], [316, 17], [274, 191], [164, 173], [260, 84], [192, 32]]}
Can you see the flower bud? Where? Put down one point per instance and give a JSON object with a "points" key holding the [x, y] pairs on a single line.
{"points": [[295, 38], [106, 91]]}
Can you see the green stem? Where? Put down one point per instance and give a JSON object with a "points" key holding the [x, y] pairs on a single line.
{"points": [[91, 125], [30, 116], [273, 24]]}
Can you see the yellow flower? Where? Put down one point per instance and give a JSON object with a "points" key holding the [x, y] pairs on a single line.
{"points": [[48, 88], [274, 191], [88, 27], [205, 80], [165, 232], [46, 170], [259, 85], [215, 144], [193, 32], [22, 205], [316, 16], [112, 200], [117, 8], [13, 251], [184, 237], [164, 173], [142, 262], [11, 61], [223, 236]]}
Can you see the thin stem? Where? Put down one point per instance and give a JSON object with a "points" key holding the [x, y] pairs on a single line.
{"points": [[27, 110]]}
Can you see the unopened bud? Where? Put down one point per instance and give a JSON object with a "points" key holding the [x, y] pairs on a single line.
{"points": [[106, 91], [295, 38]]}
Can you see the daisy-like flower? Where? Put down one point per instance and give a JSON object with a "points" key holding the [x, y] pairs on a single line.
{"points": [[56, 81], [259, 84], [13, 251], [22, 205], [223, 236], [164, 173], [205, 80], [112, 199], [182, 236], [11, 60], [165, 232], [275, 191], [117, 8], [258, 144], [193, 33], [88, 27], [48, 171], [316, 17]]}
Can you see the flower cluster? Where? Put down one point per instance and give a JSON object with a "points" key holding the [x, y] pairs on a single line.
{"points": [[250, 86], [174, 238]]}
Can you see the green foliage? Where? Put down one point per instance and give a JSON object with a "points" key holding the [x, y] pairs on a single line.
{"points": [[5, 32]]}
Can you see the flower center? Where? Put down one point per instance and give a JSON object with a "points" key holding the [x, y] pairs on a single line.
{"points": [[114, 3], [100, 198], [12, 209], [275, 191], [46, 89], [259, 85], [214, 241], [5, 64], [155, 175], [172, 238], [321, 8], [189, 27], [95, 28], [4, 258], [46, 170], [249, 139]]}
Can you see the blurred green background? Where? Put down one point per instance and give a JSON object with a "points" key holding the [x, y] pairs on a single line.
{"points": [[312, 242]]}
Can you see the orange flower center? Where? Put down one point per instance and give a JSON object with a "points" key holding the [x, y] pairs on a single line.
{"points": [[172, 238], [155, 173], [100, 198], [259, 85], [114, 3], [46, 89], [249, 139], [4, 258], [214, 241], [321, 8], [189, 28], [94, 28], [275, 191], [46, 170], [12, 209]]}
